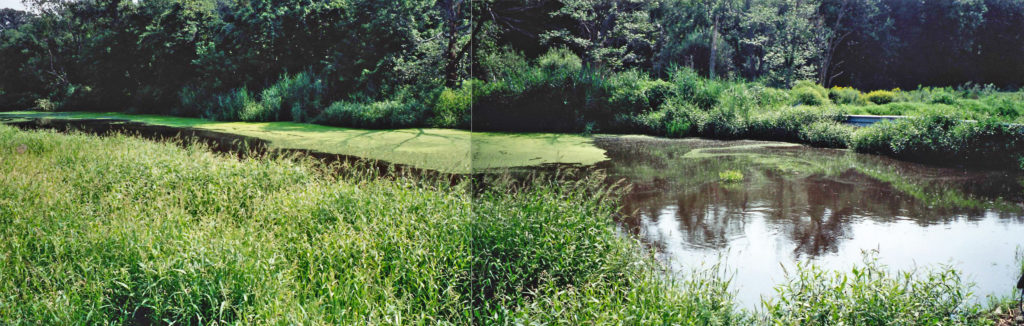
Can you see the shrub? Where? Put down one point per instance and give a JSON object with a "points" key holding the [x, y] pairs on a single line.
{"points": [[880, 96], [808, 97], [826, 134], [846, 95], [228, 106], [770, 97], [693, 88], [381, 114], [292, 98], [785, 124], [942, 139], [634, 92], [560, 59], [943, 97], [556, 95], [498, 65], [1005, 108], [808, 93], [192, 101], [720, 124], [452, 108], [673, 120], [45, 104], [257, 111]]}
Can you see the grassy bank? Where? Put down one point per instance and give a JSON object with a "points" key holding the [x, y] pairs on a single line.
{"points": [[123, 230]]}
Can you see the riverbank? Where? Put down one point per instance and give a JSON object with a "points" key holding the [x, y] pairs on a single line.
{"points": [[261, 240], [931, 139]]}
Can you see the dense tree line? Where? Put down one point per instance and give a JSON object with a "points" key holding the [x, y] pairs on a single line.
{"points": [[862, 43], [378, 63]]}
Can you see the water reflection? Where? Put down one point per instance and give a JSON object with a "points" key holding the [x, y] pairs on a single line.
{"points": [[798, 203]]}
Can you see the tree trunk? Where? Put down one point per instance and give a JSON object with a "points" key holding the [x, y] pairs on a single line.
{"points": [[714, 49]]}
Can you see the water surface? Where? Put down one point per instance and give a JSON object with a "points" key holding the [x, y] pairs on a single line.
{"points": [[797, 203]]}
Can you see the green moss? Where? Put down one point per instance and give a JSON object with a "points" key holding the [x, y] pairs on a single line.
{"points": [[493, 150], [445, 150]]}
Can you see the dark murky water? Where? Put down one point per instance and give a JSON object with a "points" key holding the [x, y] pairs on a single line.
{"points": [[796, 203]]}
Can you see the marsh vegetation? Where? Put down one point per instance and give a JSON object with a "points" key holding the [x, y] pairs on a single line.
{"points": [[496, 98], [278, 240]]}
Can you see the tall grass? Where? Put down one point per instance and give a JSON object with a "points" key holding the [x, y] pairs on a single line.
{"points": [[127, 231], [870, 294], [122, 230], [553, 258]]}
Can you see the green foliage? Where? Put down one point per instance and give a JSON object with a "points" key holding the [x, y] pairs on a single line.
{"points": [[275, 240], [826, 134], [943, 98], [872, 295], [44, 104], [453, 107], [943, 139], [730, 176], [808, 93], [230, 106], [560, 60], [880, 96], [381, 114], [693, 88], [538, 261], [293, 98], [498, 65], [846, 95], [672, 120]]}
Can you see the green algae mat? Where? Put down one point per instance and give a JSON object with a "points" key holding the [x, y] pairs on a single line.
{"points": [[444, 150]]}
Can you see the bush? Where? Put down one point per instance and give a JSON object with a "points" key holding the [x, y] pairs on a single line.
{"points": [[560, 59], [942, 139], [381, 114], [846, 95], [943, 97], [808, 93], [292, 98], [556, 95], [880, 96], [672, 120], [730, 176], [826, 134], [498, 65], [693, 88], [45, 104], [785, 124], [452, 108], [229, 106], [808, 97]]}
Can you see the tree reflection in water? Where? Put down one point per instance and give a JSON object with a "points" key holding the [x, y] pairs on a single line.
{"points": [[808, 201]]}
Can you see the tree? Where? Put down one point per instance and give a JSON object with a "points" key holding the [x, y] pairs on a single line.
{"points": [[789, 36], [13, 18]]}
